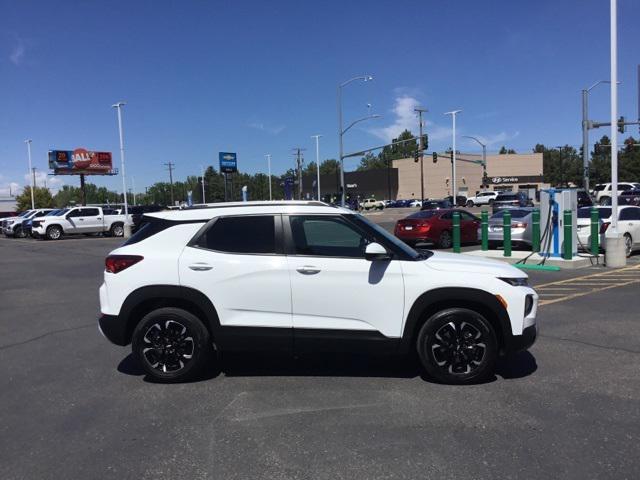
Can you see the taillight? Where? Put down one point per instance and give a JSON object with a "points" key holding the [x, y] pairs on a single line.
{"points": [[424, 226], [117, 263], [604, 226]]}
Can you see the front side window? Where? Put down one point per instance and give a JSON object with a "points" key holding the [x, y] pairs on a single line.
{"points": [[326, 236], [244, 235]]}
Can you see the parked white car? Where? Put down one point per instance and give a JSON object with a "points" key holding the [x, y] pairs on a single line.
{"points": [[482, 198], [372, 204], [12, 227], [602, 192], [296, 276], [628, 226], [79, 220]]}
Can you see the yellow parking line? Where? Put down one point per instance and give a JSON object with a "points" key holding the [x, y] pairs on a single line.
{"points": [[582, 294], [599, 274]]}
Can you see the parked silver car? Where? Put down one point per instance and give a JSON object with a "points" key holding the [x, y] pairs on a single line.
{"points": [[520, 227]]}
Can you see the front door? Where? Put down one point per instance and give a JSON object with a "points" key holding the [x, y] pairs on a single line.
{"points": [[238, 263], [334, 289]]}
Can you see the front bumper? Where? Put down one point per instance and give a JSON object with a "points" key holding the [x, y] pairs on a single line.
{"points": [[524, 341], [114, 329]]}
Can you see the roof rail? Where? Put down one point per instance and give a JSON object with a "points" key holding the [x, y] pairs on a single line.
{"points": [[259, 203]]}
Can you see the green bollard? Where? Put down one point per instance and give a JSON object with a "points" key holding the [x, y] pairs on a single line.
{"points": [[456, 232], [567, 252], [484, 216], [535, 230], [595, 232], [506, 232]]}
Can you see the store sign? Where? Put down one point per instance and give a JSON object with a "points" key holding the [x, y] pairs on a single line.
{"points": [[228, 162], [520, 179], [80, 161]]}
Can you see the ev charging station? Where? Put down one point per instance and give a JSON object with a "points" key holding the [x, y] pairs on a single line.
{"points": [[553, 203]]}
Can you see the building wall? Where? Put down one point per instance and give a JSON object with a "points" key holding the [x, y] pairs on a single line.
{"points": [[437, 176]]}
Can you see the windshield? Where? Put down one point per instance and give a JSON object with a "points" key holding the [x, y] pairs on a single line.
{"points": [[406, 249], [599, 188], [53, 213], [25, 214], [585, 212], [506, 197]]}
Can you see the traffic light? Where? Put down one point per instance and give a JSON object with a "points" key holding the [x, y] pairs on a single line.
{"points": [[435, 157], [416, 156], [425, 142], [621, 126]]}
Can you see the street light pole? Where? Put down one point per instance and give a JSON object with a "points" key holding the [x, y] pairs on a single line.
{"points": [[317, 137], [33, 181], [268, 157], [204, 200], [127, 227], [454, 193], [585, 132], [484, 156], [341, 132]]}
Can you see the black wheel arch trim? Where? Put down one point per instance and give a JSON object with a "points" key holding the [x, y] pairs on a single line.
{"points": [[474, 299], [119, 328]]}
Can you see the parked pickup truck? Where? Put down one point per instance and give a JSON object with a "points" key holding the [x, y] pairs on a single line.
{"points": [[79, 220]]}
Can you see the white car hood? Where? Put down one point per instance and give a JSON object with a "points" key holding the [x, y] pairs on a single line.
{"points": [[457, 262]]}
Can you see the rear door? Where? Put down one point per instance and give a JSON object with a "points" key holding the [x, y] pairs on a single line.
{"points": [[239, 264], [468, 227], [90, 220]]}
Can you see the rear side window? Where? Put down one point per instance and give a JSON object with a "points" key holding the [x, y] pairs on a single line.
{"points": [[630, 214], [247, 234]]}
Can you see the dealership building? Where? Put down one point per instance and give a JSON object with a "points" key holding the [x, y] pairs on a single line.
{"points": [[402, 179]]}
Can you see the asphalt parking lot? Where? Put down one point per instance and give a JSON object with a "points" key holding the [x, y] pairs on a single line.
{"points": [[74, 406]]}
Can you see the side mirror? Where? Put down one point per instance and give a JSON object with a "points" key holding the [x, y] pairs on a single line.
{"points": [[375, 251]]}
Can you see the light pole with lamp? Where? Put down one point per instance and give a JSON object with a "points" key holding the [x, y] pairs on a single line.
{"points": [[127, 226], [31, 174], [317, 137], [484, 157], [585, 132], [454, 193], [341, 132]]}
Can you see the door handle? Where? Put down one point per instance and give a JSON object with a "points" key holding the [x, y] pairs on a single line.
{"points": [[98, 218], [200, 267], [308, 270]]}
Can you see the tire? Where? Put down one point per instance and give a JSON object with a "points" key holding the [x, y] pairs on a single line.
{"points": [[54, 232], [493, 245], [154, 344], [445, 240], [117, 230], [605, 201], [628, 245], [470, 204], [19, 232], [491, 200], [457, 346]]}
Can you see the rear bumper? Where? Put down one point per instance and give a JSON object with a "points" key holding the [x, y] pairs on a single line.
{"points": [[114, 329]]}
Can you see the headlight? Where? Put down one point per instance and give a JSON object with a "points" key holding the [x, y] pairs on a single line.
{"points": [[516, 282]]}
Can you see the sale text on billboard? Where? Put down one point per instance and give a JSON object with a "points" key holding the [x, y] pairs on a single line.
{"points": [[80, 162]]}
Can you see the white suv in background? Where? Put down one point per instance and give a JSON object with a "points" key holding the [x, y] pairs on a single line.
{"points": [[602, 192], [482, 198], [300, 276]]}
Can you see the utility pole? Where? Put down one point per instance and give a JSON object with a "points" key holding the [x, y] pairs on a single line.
{"points": [[170, 166], [268, 157], [299, 161], [317, 137], [420, 112], [33, 202]]}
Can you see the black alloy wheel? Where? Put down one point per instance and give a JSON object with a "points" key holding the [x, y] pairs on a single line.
{"points": [[171, 344], [457, 346]]}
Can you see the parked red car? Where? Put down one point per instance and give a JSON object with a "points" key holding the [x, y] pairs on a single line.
{"points": [[435, 226]]}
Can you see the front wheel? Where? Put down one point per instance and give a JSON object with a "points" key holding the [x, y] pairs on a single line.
{"points": [[171, 344], [470, 203], [19, 232], [457, 346], [605, 201], [54, 232]]}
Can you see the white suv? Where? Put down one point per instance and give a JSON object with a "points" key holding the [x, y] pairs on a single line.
{"points": [[603, 193], [482, 198], [296, 276]]}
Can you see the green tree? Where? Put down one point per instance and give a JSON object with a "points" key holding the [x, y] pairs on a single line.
{"points": [[401, 150], [504, 150], [41, 196], [371, 161], [331, 166], [561, 165]]}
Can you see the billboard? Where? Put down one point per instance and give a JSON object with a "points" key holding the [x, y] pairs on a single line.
{"points": [[80, 162], [228, 162]]}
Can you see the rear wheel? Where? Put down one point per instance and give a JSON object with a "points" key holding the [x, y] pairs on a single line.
{"points": [[605, 201], [54, 232], [19, 232], [457, 346], [171, 344], [628, 245], [445, 240]]}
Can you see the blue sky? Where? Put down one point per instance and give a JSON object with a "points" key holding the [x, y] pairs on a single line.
{"points": [[260, 77]]}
